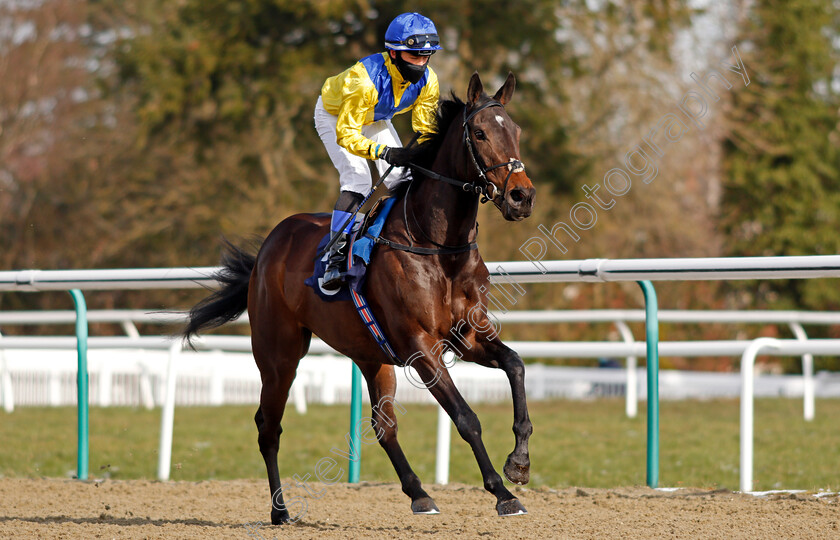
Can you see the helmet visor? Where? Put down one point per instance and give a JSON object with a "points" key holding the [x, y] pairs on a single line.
{"points": [[422, 41], [421, 44]]}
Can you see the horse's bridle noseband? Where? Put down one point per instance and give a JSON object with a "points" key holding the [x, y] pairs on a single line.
{"points": [[488, 190]]}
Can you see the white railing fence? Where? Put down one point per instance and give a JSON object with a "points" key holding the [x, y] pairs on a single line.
{"points": [[125, 370], [533, 271], [244, 392], [138, 377]]}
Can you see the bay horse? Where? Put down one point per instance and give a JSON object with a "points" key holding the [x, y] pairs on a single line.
{"points": [[419, 295]]}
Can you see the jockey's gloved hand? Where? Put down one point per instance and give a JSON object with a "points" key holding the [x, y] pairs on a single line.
{"points": [[398, 156]]}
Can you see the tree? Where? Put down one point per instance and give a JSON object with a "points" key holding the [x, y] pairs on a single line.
{"points": [[46, 102], [782, 164]]}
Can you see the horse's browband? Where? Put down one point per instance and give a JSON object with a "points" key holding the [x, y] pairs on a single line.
{"points": [[485, 105]]}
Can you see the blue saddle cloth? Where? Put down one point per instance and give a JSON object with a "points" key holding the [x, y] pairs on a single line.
{"points": [[360, 249]]}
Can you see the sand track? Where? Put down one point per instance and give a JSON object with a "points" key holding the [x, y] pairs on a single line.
{"points": [[56, 508]]}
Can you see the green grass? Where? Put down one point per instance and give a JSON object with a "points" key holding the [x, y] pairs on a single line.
{"points": [[575, 443]]}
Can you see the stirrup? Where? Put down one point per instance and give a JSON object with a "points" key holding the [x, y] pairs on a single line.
{"points": [[334, 279]]}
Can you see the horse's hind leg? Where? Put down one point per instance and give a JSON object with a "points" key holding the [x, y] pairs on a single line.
{"points": [[382, 385], [277, 359]]}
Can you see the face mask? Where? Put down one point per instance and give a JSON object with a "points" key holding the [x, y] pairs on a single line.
{"points": [[410, 72]]}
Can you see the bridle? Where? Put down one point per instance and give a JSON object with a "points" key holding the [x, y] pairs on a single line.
{"points": [[486, 190]]}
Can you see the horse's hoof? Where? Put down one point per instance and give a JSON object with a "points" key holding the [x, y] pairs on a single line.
{"points": [[424, 505], [517, 473], [511, 507], [280, 517]]}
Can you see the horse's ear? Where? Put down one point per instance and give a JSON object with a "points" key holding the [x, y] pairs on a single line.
{"points": [[475, 89], [506, 91]]}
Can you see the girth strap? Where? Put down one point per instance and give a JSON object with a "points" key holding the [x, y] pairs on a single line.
{"points": [[373, 325]]}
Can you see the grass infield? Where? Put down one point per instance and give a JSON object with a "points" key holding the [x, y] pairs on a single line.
{"points": [[575, 443]]}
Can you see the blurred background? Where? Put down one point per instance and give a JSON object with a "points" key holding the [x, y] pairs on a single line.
{"points": [[138, 133]]}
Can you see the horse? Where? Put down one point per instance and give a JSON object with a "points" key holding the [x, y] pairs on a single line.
{"points": [[425, 284]]}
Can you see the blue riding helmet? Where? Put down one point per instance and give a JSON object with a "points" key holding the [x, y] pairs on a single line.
{"points": [[412, 32]]}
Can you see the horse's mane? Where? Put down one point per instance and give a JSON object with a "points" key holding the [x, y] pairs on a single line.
{"points": [[424, 154]]}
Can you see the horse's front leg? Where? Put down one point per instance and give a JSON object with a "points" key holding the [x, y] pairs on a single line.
{"points": [[496, 354], [436, 378]]}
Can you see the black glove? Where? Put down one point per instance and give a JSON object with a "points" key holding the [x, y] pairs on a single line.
{"points": [[397, 156]]}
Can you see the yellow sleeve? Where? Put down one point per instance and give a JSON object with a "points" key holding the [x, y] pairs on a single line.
{"points": [[424, 115], [358, 98]]}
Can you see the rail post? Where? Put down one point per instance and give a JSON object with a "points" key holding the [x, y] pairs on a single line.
{"points": [[167, 415], [631, 397], [747, 396], [6, 383], [81, 385], [652, 342], [354, 466], [807, 374], [444, 441]]}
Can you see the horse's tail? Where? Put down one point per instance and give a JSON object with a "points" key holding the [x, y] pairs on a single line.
{"points": [[230, 301]]}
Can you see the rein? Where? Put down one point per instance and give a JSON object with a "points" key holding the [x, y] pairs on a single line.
{"points": [[441, 249]]}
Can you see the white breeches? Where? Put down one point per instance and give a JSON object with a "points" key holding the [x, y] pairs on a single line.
{"points": [[353, 172]]}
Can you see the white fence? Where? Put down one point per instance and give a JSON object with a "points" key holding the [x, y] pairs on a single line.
{"points": [[137, 378], [214, 378], [534, 271], [131, 377]]}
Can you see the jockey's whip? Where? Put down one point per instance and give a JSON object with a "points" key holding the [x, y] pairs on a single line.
{"points": [[352, 217]]}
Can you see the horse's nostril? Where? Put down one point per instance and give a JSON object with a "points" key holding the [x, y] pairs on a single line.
{"points": [[517, 196]]}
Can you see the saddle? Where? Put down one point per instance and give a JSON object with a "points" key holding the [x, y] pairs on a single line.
{"points": [[362, 241]]}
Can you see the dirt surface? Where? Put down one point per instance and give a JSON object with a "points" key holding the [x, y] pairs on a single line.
{"points": [[55, 508]]}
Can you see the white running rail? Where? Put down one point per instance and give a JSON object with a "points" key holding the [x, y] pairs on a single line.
{"points": [[535, 270], [128, 319]]}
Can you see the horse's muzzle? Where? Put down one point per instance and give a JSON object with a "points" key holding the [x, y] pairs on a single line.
{"points": [[519, 203]]}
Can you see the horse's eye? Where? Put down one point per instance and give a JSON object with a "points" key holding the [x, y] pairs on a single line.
{"points": [[480, 135]]}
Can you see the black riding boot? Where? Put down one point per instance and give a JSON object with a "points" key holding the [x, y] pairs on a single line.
{"points": [[334, 274]]}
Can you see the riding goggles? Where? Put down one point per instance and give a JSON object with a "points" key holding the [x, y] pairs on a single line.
{"points": [[420, 44]]}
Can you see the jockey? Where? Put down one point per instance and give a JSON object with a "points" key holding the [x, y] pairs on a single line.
{"points": [[353, 118]]}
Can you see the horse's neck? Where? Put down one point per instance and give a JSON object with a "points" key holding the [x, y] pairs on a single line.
{"points": [[446, 214]]}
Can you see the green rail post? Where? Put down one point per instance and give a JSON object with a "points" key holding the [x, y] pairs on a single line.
{"points": [[81, 384], [354, 466], [652, 341]]}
